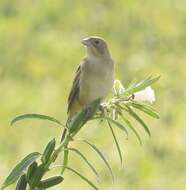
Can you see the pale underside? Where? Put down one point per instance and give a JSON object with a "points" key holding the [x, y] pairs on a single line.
{"points": [[93, 79]]}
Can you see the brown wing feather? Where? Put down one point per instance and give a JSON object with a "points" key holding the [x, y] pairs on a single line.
{"points": [[74, 93]]}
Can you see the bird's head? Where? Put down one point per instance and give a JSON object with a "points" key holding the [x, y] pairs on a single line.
{"points": [[96, 46]]}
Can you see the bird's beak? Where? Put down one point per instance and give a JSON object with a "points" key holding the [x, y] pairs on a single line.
{"points": [[86, 41]]}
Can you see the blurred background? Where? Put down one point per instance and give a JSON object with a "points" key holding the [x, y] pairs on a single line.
{"points": [[39, 51]]}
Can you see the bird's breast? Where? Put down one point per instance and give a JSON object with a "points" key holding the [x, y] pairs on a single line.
{"points": [[96, 82]]}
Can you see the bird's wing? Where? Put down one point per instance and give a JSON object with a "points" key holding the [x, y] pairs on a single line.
{"points": [[74, 93]]}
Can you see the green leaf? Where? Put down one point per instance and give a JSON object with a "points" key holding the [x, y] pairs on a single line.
{"points": [[21, 184], [132, 83], [37, 176], [141, 85], [77, 121], [146, 109], [20, 168], [117, 124], [50, 182], [30, 172], [135, 116], [83, 177], [65, 159], [117, 144], [85, 159], [48, 151], [83, 116], [131, 127], [102, 157], [35, 116]]}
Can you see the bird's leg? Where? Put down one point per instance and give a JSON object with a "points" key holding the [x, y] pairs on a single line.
{"points": [[103, 109], [130, 97]]}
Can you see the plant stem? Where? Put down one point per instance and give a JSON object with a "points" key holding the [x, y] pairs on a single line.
{"points": [[58, 151], [65, 159]]}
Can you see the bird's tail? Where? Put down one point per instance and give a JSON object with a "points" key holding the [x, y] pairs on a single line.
{"points": [[63, 134]]}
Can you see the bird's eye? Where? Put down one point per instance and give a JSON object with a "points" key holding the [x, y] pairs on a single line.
{"points": [[96, 41]]}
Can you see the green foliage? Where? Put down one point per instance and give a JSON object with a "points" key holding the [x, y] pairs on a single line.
{"points": [[140, 86], [102, 157], [116, 142], [31, 170], [20, 168], [50, 182], [48, 151], [117, 124], [135, 116], [22, 183], [39, 51], [116, 106], [128, 123], [35, 116], [82, 177], [37, 176], [86, 160], [146, 109], [65, 159], [82, 117]]}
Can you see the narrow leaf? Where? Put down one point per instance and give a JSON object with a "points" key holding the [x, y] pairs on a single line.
{"points": [[35, 116], [20, 168], [65, 160], [132, 83], [22, 183], [131, 127], [37, 175], [146, 109], [85, 159], [140, 86], [77, 121], [83, 116], [50, 182], [48, 151], [31, 170], [83, 177], [117, 124], [135, 116], [102, 157], [117, 144]]}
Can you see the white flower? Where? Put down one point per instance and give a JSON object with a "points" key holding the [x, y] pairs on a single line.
{"points": [[118, 87], [146, 95]]}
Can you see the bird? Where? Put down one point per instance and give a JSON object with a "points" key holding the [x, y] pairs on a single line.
{"points": [[94, 77]]}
